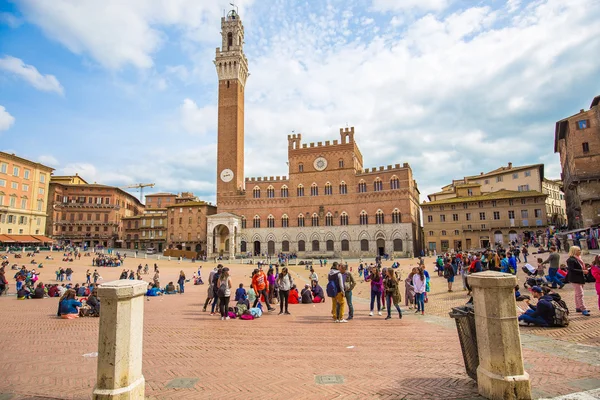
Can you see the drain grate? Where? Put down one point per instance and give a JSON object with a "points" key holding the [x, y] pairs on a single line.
{"points": [[182, 383], [329, 379]]}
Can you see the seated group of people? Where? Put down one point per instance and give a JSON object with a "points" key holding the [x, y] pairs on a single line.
{"points": [[550, 310], [69, 307], [155, 290]]}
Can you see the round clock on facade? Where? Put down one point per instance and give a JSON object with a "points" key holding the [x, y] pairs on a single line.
{"points": [[320, 164], [226, 175]]}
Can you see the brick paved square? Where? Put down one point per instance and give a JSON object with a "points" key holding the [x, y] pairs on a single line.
{"points": [[272, 357]]}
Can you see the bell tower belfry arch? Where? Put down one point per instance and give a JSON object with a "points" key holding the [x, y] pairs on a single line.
{"points": [[232, 71]]}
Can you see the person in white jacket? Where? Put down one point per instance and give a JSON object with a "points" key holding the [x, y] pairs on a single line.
{"points": [[419, 283]]}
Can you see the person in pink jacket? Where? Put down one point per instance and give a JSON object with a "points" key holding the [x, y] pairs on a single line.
{"points": [[420, 284], [376, 289], [596, 274]]}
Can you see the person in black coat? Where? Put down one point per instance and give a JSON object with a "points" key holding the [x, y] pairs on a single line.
{"points": [[576, 276]]}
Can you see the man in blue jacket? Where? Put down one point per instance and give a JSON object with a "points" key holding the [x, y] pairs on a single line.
{"points": [[541, 314]]}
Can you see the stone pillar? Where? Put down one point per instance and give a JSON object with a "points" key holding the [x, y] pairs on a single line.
{"points": [[501, 374], [584, 246], [120, 341]]}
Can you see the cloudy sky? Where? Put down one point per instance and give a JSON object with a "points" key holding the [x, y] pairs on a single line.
{"points": [[125, 92]]}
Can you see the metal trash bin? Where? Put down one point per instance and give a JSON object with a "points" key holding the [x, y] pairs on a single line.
{"points": [[465, 326]]}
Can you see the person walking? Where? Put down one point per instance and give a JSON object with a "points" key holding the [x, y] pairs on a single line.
{"points": [[449, 275], [349, 284], [224, 293], [96, 275], [88, 276], [261, 287], [181, 282], [285, 283], [409, 290], [576, 275], [209, 293], [335, 290], [376, 289], [419, 284], [392, 294], [554, 261], [156, 278], [216, 301]]}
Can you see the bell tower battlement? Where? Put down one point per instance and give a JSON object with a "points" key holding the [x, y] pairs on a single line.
{"points": [[230, 60]]}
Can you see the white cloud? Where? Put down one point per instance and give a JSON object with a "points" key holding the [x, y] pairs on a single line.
{"points": [[118, 33], [46, 83], [197, 120], [48, 160], [91, 174], [6, 120]]}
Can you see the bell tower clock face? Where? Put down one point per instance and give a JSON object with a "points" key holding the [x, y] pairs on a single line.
{"points": [[320, 164], [226, 175]]}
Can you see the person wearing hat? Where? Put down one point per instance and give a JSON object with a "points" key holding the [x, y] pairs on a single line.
{"points": [[306, 295], [541, 314]]}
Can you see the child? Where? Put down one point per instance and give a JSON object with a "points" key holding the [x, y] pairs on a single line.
{"points": [[540, 267], [240, 294], [519, 296]]}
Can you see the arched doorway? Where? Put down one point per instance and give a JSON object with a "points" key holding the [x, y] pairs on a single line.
{"points": [[271, 247], [512, 236], [380, 247], [221, 240], [498, 237], [257, 248]]}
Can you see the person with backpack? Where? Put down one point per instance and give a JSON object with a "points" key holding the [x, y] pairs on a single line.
{"points": [[576, 276], [392, 294], [349, 284], [550, 310], [449, 275], [224, 293], [419, 283], [376, 289], [335, 290]]}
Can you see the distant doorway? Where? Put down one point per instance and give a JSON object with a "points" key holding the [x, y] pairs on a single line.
{"points": [[257, 248], [271, 247], [380, 247]]}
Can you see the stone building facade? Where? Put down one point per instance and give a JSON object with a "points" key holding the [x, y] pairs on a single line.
{"points": [[475, 220], [83, 214], [556, 208], [328, 205], [577, 140], [23, 195]]}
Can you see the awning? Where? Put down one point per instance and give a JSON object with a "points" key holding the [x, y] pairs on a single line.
{"points": [[6, 239], [43, 239], [24, 239]]}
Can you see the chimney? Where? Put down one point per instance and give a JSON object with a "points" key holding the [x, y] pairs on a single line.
{"points": [[509, 165], [481, 173]]}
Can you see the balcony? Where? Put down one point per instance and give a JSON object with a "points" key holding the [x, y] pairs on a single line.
{"points": [[75, 204]]}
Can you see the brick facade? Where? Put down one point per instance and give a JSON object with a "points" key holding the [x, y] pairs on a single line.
{"points": [[577, 139], [84, 214], [328, 198]]}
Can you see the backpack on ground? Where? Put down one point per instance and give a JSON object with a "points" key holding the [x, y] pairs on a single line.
{"points": [[561, 313], [332, 285]]}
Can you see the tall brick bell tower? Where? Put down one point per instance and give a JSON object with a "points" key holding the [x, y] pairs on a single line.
{"points": [[232, 69]]}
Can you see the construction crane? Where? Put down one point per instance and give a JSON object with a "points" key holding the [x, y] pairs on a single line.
{"points": [[140, 186]]}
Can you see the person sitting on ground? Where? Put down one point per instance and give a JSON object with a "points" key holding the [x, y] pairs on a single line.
{"points": [[170, 289], [519, 296], [306, 295], [68, 306], [39, 292], [293, 297], [541, 314], [318, 294], [94, 302], [23, 293], [240, 293], [153, 291], [53, 291]]}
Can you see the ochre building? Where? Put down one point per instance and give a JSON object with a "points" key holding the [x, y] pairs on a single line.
{"points": [[577, 139], [23, 195], [327, 205]]}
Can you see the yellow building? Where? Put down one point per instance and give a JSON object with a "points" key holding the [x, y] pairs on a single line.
{"points": [[23, 195], [467, 219], [556, 208]]}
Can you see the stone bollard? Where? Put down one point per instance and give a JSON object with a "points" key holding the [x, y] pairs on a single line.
{"points": [[583, 244], [119, 373], [501, 374]]}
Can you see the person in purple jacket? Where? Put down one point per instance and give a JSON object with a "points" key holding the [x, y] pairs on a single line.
{"points": [[271, 277], [376, 289]]}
